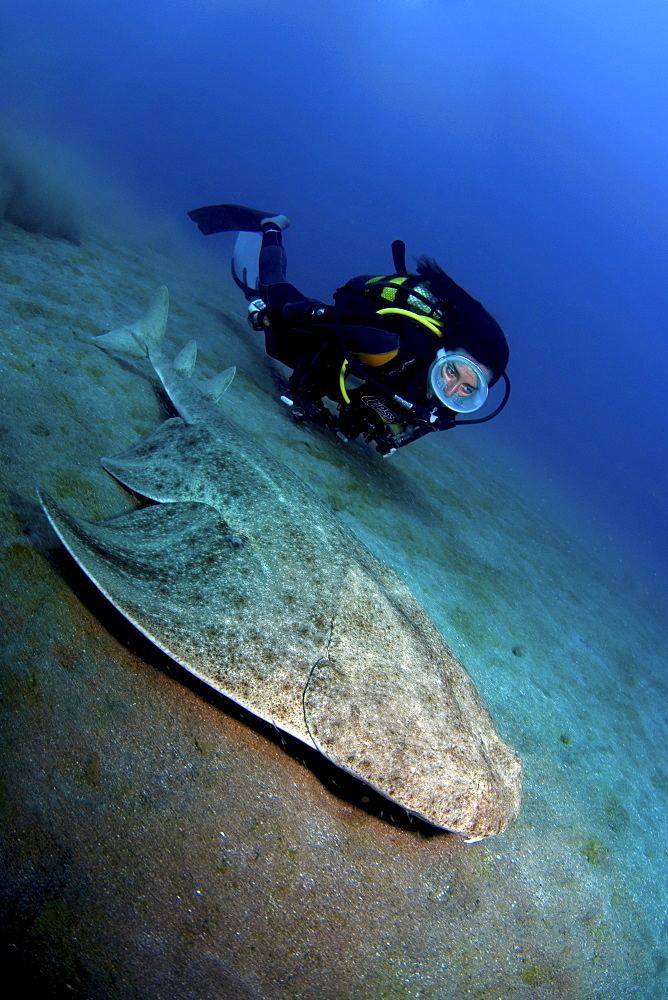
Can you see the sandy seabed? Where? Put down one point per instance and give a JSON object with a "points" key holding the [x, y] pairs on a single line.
{"points": [[154, 844]]}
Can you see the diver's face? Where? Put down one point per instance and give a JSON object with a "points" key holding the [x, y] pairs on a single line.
{"points": [[459, 379]]}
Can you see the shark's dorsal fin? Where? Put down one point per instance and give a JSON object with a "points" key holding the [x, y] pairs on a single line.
{"points": [[219, 383], [184, 362], [136, 338]]}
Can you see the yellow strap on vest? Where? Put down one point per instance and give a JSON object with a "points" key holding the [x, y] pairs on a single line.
{"points": [[374, 360], [342, 382], [429, 323]]}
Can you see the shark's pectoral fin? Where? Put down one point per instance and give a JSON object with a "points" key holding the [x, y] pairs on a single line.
{"points": [[154, 564], [158, 467], [202, 595], [175, 571]]}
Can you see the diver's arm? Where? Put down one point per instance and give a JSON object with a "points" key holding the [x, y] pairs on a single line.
{"points": [[422, 421]]}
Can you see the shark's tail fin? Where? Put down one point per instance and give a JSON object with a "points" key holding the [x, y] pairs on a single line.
{"points": [[184, 362], [136, 338], [219, 383]]}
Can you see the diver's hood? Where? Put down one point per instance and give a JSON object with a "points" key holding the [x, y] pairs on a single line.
{"points": [[461, 404]]}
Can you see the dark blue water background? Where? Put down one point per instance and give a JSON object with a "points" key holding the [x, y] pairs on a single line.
{"points": [[521, 144]]}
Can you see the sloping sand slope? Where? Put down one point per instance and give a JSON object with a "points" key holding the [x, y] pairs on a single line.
{"points": [[157, 846]]}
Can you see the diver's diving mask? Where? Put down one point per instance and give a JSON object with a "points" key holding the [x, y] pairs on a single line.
{"points": [[453, 368]]}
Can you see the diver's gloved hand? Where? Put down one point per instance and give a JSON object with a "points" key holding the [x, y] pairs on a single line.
{"points": [[303, 310], [443, 420], [257, 314], [437, 417]]}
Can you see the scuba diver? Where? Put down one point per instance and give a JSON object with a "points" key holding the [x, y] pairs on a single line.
{"points": [[400, 355]]}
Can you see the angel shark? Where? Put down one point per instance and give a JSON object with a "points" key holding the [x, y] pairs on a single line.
{"points": [[243, 575]]}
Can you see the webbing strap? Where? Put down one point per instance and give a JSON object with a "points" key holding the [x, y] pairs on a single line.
{"points": [[429, 323]]}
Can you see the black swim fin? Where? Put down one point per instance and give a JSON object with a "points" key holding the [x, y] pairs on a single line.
{"points": [[230, 218]]}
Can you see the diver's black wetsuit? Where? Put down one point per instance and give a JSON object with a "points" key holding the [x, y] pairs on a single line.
{"points": [[385, 330], [393, 353]]}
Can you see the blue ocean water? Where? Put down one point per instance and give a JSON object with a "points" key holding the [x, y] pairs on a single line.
{"points": [[521, 145]]}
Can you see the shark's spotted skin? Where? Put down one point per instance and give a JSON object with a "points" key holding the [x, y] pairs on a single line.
{"points": [[243, 575]]}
